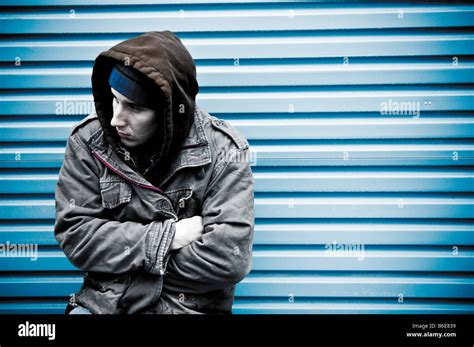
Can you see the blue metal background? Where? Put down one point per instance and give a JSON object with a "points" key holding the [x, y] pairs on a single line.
{"points": [[304, 82]]}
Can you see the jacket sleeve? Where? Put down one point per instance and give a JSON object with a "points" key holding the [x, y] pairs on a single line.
{"points": [[223, 255], [89, 239]]}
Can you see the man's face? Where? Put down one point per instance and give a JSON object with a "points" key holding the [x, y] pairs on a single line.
{"points": [[134, 124]]}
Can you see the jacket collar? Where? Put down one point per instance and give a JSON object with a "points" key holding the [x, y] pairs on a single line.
{"points": [[194, 152]]}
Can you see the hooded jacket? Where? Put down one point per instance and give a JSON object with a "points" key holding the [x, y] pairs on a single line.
{"points": [[116, 222], [171, 70]]}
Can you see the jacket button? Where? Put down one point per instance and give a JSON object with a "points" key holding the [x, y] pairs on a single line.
{"points": [[162, 205], [220, 123]]}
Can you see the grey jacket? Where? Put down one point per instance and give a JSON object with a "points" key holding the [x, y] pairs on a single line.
{"points": [[116, 221], [113, 224]]}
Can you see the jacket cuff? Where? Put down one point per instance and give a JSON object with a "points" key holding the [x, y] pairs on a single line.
{"points": [[158, 242]]}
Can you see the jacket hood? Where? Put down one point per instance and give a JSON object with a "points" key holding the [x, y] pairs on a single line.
{"points": [[164, 60]]}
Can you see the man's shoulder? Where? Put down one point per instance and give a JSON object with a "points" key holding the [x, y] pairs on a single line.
{"points": [[86, 127], [222, 133]]}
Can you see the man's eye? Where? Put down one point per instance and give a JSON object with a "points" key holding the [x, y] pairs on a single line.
{"points": [[134, 107]]}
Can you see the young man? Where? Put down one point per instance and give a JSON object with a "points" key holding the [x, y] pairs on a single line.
{"points": [[155, 196]]}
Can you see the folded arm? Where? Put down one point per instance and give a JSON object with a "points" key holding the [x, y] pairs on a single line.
{"points": [[223, 255], [89, 239]]}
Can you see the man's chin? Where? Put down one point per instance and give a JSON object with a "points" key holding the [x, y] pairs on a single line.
{"points": [[128, 142]]}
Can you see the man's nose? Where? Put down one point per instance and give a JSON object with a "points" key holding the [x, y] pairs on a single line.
{"points": [[119, 118]]}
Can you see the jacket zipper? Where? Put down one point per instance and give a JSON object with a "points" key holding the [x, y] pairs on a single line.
{"points": [[146, 186]]}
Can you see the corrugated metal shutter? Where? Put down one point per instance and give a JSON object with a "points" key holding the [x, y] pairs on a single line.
{"points": [[306, 83]]}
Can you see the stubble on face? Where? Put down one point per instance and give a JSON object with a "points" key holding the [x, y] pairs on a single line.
{"points": [[133, 123]]}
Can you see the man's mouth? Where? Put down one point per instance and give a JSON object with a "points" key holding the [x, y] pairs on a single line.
{"points": [[122, 134]]}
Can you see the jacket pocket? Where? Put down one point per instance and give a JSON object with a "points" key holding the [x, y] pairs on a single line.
{"points": [[182, 201], [101, 293], [182, 303], [114, 193]]}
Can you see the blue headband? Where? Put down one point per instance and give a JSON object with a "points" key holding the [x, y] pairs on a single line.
{"points": [[132, 84]]}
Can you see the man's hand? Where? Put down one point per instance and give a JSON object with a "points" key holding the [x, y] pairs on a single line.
{"points": [[187, 230]]}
